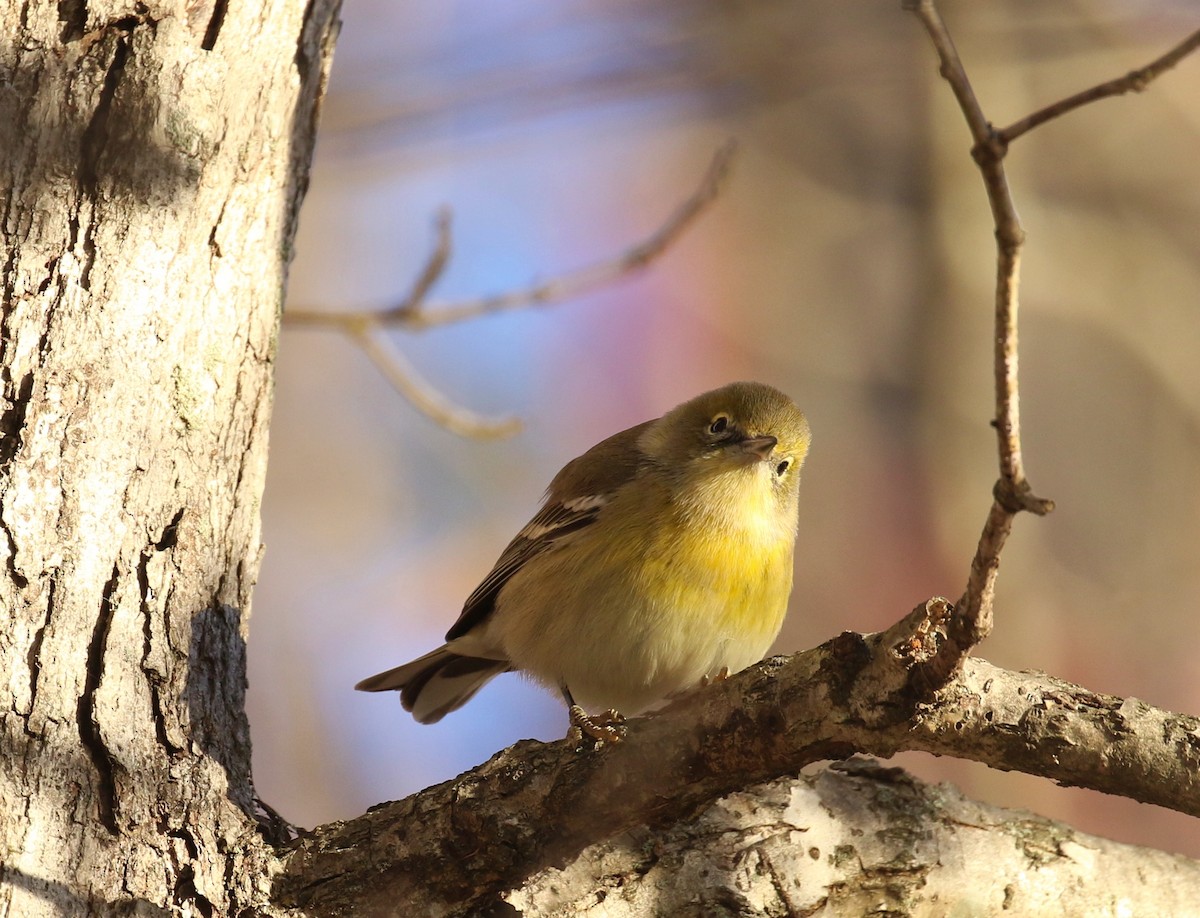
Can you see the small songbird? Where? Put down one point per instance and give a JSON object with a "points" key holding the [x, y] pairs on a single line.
{"points": [[661, 559]]}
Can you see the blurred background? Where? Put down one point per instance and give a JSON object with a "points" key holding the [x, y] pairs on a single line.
{"points": [[850, 262]]}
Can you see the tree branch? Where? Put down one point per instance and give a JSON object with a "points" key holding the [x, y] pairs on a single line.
{"points": [[853, 839], [413, 313], [396, 368], [469, 839], [1012, 492], [366, 327], [1134, 81], [430, 274]]}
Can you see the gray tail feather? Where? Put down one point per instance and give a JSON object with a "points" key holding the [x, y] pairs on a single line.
{"points": [[434, 685]]}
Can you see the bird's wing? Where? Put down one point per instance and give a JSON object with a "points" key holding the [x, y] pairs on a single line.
{"points": [[574, 501]]}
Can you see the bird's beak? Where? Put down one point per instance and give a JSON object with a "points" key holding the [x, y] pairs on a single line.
{"points": [[759, 447]]}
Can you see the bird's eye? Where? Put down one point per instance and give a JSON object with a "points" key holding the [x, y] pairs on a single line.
{"points": [[783, 467], [718, 425]]}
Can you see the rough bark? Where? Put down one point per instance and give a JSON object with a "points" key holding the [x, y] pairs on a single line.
{"points": [[462, 847], [857, 839], [152, 162]]}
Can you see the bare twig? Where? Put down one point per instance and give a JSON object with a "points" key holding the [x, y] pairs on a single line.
{"points": [[403, 376], [1134, 81], [582, 280], [430, 274], [414, 313], [1012, 492], [366, 330]]}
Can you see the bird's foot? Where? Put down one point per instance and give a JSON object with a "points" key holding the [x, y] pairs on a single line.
{"points": [[721, 676], [608, 727]]}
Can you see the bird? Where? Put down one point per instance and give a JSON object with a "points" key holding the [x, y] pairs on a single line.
{"points": [[661, 559]]}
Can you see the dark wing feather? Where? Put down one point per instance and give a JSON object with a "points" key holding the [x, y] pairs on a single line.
{"points": [[574, 500]]}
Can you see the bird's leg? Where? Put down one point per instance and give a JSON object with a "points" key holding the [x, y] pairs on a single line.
{"points": [[721, 676], [608, 727]]}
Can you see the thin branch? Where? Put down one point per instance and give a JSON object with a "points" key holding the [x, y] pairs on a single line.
{"points": [[581, 281], [466, 840], [430, 274], [414, 314], [1010, 236], [1013, 492], [403, 376], [1134, 81]]}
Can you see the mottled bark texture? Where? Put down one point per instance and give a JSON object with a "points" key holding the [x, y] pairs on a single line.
{"points": [[152, 160], [512, 831], [857, 839]]}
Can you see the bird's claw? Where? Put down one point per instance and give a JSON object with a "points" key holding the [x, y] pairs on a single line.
{"points": [[722, 674], [608, 727]]}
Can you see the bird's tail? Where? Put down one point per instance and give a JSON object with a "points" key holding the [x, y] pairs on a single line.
{"points": [[434, 685]]}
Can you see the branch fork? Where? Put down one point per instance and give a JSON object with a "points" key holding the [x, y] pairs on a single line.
{"points": [[368, 328], [1012, 492]]}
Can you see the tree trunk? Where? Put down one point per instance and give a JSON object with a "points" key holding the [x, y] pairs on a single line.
{"points": [[151, 169]]}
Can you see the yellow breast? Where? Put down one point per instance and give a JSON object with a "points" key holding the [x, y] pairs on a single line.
{"points": [[728, 556]]}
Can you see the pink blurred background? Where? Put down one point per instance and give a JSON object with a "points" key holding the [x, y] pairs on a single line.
{"points": [[850, 263]]}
